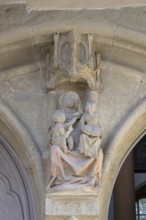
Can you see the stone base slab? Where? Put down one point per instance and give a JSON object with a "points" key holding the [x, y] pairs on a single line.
{"points": [[69, 217], [71, 205]]}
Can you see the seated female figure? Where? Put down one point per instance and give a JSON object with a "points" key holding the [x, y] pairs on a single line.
{"points": [[90, 138]]}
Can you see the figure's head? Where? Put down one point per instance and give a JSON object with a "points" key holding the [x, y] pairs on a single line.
{"points": [[59, 116], [70, 101], [90, 107]]}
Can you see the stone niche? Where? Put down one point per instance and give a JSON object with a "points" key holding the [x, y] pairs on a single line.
{"points": [[73, 80]]}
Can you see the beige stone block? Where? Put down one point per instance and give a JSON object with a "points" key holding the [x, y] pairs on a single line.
{"points": [[67, 205], [11, 1], [82, 4]]}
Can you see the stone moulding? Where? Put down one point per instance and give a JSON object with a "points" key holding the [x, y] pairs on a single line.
{"points": [[81, 5]]}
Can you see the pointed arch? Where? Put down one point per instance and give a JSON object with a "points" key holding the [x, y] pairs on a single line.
{"points": [[15, 134], [124, 139]]}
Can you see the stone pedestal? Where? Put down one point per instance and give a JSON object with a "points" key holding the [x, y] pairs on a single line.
{"points": [[69, 204]]}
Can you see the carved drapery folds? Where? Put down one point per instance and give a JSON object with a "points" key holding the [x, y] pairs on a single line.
{"points": [[73, 59], [75, 134]]}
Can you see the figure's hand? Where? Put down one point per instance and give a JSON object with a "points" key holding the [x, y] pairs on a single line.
{"points": [[77, 114], [70, 128], [66, 150]]}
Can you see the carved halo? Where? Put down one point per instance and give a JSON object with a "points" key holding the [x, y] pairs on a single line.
{"points": [[75, 104]]}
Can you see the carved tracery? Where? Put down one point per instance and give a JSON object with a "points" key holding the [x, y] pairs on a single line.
{"points": [[73, 59]]}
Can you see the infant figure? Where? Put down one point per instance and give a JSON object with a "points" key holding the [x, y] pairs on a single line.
{"points": [[61, 131]]}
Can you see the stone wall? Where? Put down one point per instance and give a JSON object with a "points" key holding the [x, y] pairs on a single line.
{"points": [[119, 36]]}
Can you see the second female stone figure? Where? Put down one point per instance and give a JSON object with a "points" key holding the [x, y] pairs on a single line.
{"points": [[90, 138]]}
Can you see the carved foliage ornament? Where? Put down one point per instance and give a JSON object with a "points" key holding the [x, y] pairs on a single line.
{"points": [[73, 59]]}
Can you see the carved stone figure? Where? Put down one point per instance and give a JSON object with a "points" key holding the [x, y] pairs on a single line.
{"points": [[70, 103], [75, 164], [61, 131], [60, 138], [90, 138]]}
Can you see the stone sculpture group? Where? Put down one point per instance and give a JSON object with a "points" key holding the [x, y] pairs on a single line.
{"points": [[75, 139]]}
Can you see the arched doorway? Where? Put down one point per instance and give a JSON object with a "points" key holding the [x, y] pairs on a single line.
{"points": [[124, 139], [129, 193], [15, 196], [141, 202], [21, 170]]}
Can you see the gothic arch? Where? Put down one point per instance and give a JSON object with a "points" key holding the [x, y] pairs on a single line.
{"points": [[14, 133], [124, 140]]}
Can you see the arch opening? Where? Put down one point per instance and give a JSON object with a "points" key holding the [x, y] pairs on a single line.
{"points": [[128, 200], [16, 198], [125, 137], [25, 158]]}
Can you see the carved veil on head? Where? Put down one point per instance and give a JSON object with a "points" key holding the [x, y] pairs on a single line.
{"points": [[70, 102]]}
